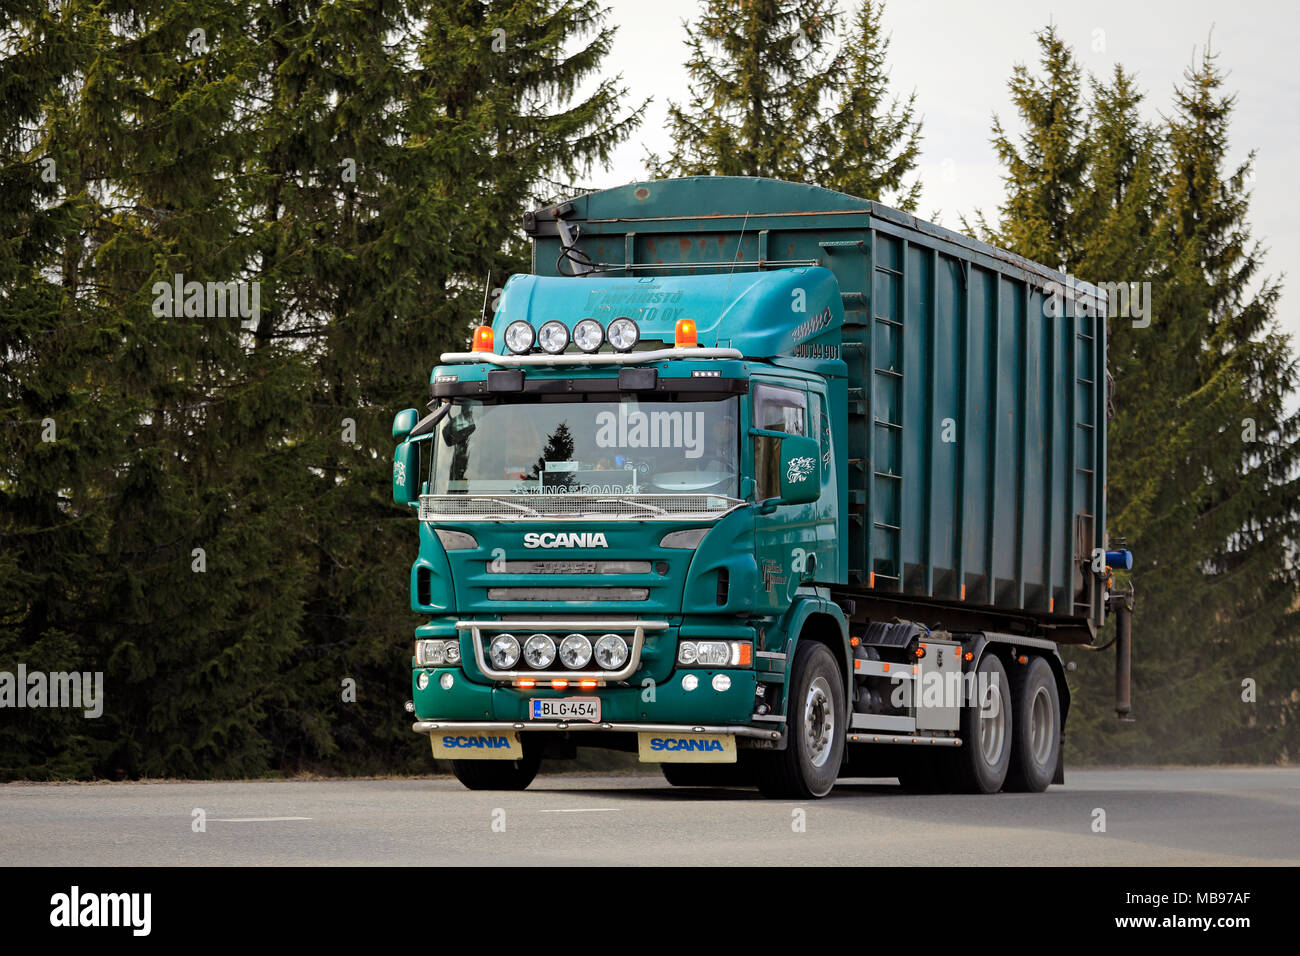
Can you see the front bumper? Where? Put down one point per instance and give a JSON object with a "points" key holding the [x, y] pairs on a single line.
{"points": [[433, 726], [666, 703]]}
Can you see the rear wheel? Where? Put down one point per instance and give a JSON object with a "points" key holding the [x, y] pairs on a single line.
{"points": [[980, 764], [815, 729], [1036, 728], [498, 774]]}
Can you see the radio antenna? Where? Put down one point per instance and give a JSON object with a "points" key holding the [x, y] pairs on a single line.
{"points": [[487, 286], [743, 223]]}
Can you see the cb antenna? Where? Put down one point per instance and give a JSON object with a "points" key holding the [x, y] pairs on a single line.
{"points": [[736, 259], [487, 287]]}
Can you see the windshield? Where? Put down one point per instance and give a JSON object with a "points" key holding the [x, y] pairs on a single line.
{"points": [[600, 447]]}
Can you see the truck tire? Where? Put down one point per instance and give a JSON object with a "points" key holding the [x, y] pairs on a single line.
{"points": [[980, 764], [815, 726], [1036, 727], [498, 774]]}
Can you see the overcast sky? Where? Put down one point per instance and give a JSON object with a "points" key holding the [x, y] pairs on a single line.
{"points": [[958, 55]]}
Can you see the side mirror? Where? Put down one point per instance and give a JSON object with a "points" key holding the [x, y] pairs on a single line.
{"points": [[801, 471], [404, 421], [406, 469]]}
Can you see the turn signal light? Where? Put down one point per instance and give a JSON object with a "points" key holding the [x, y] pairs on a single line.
{"points": [[684, 336], [483, 339]]}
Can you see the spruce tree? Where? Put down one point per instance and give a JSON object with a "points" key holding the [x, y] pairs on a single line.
{"points": [[1202, 454], [871, 142]]}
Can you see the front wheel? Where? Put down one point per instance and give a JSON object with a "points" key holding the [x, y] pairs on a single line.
{"points": [[498, 774], [815, 729]]}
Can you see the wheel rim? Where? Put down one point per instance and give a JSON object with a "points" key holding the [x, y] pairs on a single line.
{"points": [[818, 721], [1041, 727], [993, 727]]}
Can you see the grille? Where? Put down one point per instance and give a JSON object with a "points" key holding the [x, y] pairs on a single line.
{"points": [[525, 507], [568, 594], [565, 566]]}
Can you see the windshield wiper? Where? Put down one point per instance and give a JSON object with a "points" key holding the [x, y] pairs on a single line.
{"points": [[653, 509]]}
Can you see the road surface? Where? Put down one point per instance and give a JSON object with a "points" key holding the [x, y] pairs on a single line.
{"points": [[1151, 817]]}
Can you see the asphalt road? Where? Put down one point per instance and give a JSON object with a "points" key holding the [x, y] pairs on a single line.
{"points": [[1152, 817]]}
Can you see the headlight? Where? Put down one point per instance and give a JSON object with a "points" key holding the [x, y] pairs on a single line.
{"points": [[519, 337], [539, 651], [430, 653], [588, 335], [611, 652], [715, 653], [575, 651], [504, 651], [553, 337], [624, 334]]}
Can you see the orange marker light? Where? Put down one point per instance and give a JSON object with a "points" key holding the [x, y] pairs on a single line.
{"points": [[528, 682], [483, 339], [1023, 659], [854, 641], [587, 684], [970, 656], [559, 684], [684, 336]]}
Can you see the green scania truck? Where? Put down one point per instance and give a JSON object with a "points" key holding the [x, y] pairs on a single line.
{"points": [[769, 485]]}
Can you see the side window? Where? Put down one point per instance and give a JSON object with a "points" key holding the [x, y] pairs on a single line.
{"points": [[779, 410]]}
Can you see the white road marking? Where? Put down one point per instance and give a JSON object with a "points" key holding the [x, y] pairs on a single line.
{"points": [[587, 810], [255, 819]]}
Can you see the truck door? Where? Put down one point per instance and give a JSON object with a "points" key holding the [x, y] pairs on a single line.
{"points": [[786, 538]]}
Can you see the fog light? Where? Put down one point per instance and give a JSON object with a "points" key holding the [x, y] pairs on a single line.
{"points": [[588, 335], [422, 681], [519, 337], [504, 651], [446, 680], [721, 682], [690, 682], [539, 651], [553, 337], [611, 652], [624, 334], [575, 651]]}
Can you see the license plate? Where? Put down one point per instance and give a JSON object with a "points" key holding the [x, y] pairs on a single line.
{"points": [[564, 708], [686, 748]]}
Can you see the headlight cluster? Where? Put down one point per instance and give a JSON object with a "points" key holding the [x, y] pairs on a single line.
{"points": [[574, 652], [437, 653], [715, 653], [554, 337]]}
